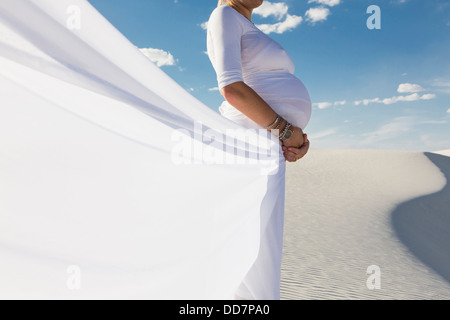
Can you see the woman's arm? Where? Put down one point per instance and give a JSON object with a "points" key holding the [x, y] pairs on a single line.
{"points": [[224, 38], [247, 101]]}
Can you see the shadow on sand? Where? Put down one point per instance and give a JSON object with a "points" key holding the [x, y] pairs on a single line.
{"points": [[423, 224]]}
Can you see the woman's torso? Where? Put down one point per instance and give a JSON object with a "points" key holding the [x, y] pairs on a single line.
{"points": [[269, 70]]}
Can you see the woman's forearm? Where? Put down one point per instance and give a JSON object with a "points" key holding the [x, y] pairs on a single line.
{"points": [[247, 101]]}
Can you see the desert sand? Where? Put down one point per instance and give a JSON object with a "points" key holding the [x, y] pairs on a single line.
{"points": [[347, 210]]}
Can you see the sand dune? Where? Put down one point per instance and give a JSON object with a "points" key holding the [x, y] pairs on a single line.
{"points": [[348, 210], [443, 152]]}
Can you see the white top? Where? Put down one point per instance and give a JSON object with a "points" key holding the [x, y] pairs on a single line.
{"points": [[239, 51]]}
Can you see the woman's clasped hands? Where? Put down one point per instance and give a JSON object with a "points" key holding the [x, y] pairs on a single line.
{"points": [[297, 146]]}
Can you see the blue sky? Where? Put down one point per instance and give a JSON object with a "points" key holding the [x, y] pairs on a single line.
{"points": [[385, 88]]}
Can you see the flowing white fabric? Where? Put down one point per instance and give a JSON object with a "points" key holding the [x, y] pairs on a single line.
{"points": [[115, 183]]}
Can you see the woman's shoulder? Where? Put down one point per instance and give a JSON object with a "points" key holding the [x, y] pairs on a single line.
{"points": [[226, 16], [225, 12], [223, 9]]}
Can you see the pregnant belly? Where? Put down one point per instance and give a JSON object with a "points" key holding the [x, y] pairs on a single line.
{"points": [[285, 93]]}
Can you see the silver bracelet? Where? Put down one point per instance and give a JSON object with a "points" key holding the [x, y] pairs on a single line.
{"points": [[279, 124], [285, 131], [277, 128], [278, 117]]}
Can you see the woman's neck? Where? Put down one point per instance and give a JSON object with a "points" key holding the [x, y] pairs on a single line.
{"points": [[246, 12]]}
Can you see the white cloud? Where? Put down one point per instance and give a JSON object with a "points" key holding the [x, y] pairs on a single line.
{"points": [[400, 134], [314, 15], [330, 3], [159, 57], [323, 105], [435, 122], [409, 88], [390, 130], [411, 97], [448, 111], [204, 25], [323, 134], [428, 96], [214, 89], [278, 10], [291, 22], [340, 103], [442, 86], [395, 99], [366, 102]]}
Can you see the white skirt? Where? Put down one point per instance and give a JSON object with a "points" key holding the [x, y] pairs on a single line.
{"points": [[262, 281]]}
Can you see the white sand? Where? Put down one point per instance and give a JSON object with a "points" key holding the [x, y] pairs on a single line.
{"points": [[348, 210], [443, 152]]}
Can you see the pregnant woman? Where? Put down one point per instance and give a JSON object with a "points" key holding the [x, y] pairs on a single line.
{"points": [[255, 76]]}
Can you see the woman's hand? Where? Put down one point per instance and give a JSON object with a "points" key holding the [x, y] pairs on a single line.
{"points": [[292, 154], [296, 140]]}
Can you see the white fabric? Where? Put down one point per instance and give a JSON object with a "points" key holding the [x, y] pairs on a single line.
{"points": [[239, 51], [109, 185]]}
